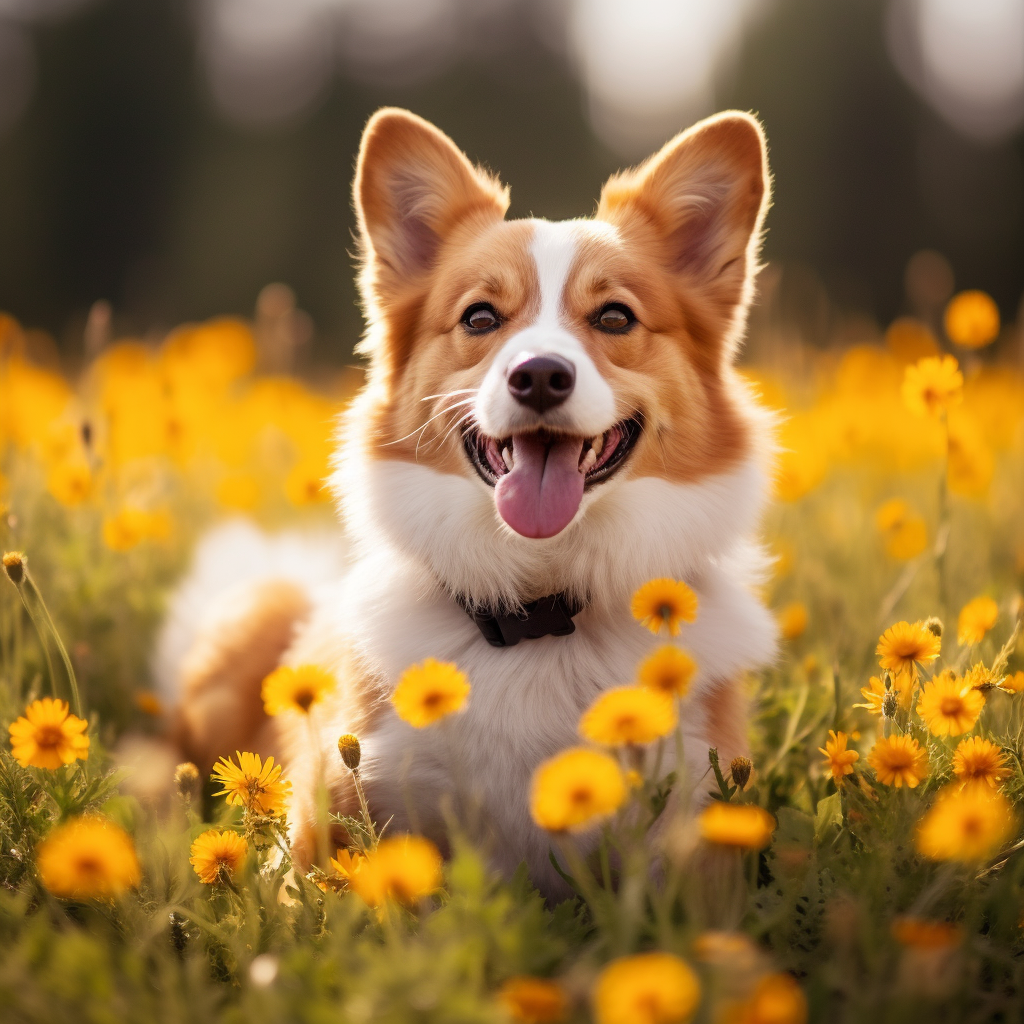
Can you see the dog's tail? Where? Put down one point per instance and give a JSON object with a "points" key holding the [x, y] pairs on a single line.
{"points": [[228, 625]]}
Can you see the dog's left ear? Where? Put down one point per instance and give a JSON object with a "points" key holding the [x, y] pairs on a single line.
{"points": [[700, 202]]}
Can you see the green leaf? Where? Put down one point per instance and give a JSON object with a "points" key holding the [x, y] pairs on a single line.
{"points": [[829, 814]]}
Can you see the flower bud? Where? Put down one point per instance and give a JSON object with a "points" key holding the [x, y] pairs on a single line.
{"points": [[890, 703], [351, 752], [187, 781], [14, 566], [933, 625], [740, 768]]}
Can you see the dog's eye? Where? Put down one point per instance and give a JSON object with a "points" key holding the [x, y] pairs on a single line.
{"points": [[615, 318], [480, 317]]}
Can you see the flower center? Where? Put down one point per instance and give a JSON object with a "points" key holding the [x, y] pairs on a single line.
{"points": [[432, 699], [665, 611], [950, 706], [304, 698], [580, 796], [49, 737], [88, 865]]}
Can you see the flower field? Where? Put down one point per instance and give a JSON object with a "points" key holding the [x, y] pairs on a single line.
{"points": [[867, 864]]}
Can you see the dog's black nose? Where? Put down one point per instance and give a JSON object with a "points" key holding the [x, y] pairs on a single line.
{"points": [[542, 382]]}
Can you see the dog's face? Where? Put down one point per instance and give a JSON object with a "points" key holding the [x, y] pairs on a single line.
{"points": [[547, 363]]}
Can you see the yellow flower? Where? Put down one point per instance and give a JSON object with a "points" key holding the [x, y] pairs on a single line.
{"points": [[904, 531], [629, 714], [576, 788], [88, 857], [428, 692], [919, 934], [949, 706], [965, 824], [239, 492], [899, 761], [347, 863], [977, 617], [874, 693], [776, 999], [650, 988], [534, 1000], [304, 485], [664, 602], [1012, 684], [793, 620], [743, 825], [403, 868], [216, 855], [904, 645], [70, 482], [979, 760], [48, 736], [131, 526], [669, 669], [296, 689], [838, 760], [933, 385], [972, 319], [251, 784]]}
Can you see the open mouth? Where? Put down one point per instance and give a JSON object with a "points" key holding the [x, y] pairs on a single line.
{"points": [[539, 477]]}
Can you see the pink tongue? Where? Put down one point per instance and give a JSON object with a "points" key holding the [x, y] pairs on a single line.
{"points": [[541, 494]]}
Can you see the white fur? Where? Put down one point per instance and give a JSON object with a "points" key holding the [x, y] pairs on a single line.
{"points": [[237, 554], [590, 409]]}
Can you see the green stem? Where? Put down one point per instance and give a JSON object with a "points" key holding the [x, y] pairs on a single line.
{"points": [[726, 791]]}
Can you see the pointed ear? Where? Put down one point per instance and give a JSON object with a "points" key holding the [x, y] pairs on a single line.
{"points": [[412, 187], [701, 203]]}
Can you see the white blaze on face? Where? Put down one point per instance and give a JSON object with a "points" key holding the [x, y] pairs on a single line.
{"points": [[543, 491]]}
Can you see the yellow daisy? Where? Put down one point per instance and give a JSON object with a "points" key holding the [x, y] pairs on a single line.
{"points": [[428, 692], [629, 714], [296, 689], [251, 784], [743, 825], [979, 760], [664, 602], [933, 385], [874, 693], [534, 1000], [916, 933], [977, 617], [965, 824], [88, 857], [47, 736], [1012, 684], [949, 706], [669, 669], [899, 761], [793, 620], [776, 999], [649, 988], [904, 531], [575, 789], [404, 868], [216, 855], [838, 760], [972, 319], [347, 862], [905, 645]]}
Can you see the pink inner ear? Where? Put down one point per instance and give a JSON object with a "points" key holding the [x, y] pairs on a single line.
{"points": [[698, 243], [415, 241]]}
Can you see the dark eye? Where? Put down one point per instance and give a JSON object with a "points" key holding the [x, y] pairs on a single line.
{"points": [[615, 318], [480, 317]]}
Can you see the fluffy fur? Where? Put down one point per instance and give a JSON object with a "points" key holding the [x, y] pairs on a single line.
{"points": [[676, 241]]}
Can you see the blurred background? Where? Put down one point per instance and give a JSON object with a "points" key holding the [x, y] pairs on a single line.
{"points": [[171, 158]]}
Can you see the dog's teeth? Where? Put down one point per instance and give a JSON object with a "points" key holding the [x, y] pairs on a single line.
{"points": [[507, 456], [597, 445], [589, 461]]}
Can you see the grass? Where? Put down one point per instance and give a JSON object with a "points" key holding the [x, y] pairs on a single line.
{"points": [[107, 481]]}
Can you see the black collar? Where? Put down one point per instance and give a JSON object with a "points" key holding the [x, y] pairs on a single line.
{"points": [[547, 616]]}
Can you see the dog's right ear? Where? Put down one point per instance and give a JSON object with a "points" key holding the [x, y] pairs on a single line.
{"points": [[412, 187]]}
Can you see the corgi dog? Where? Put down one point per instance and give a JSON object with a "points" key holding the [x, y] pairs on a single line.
{"points": [[551, 418]]}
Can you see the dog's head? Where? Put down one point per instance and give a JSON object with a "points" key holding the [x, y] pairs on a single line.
{"points": [[533, 368]]}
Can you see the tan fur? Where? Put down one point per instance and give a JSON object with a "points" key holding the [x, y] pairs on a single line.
{"points": [[221, 709], [726, 708]]}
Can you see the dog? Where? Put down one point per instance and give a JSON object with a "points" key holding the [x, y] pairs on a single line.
{"points": [[551, 417]]}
